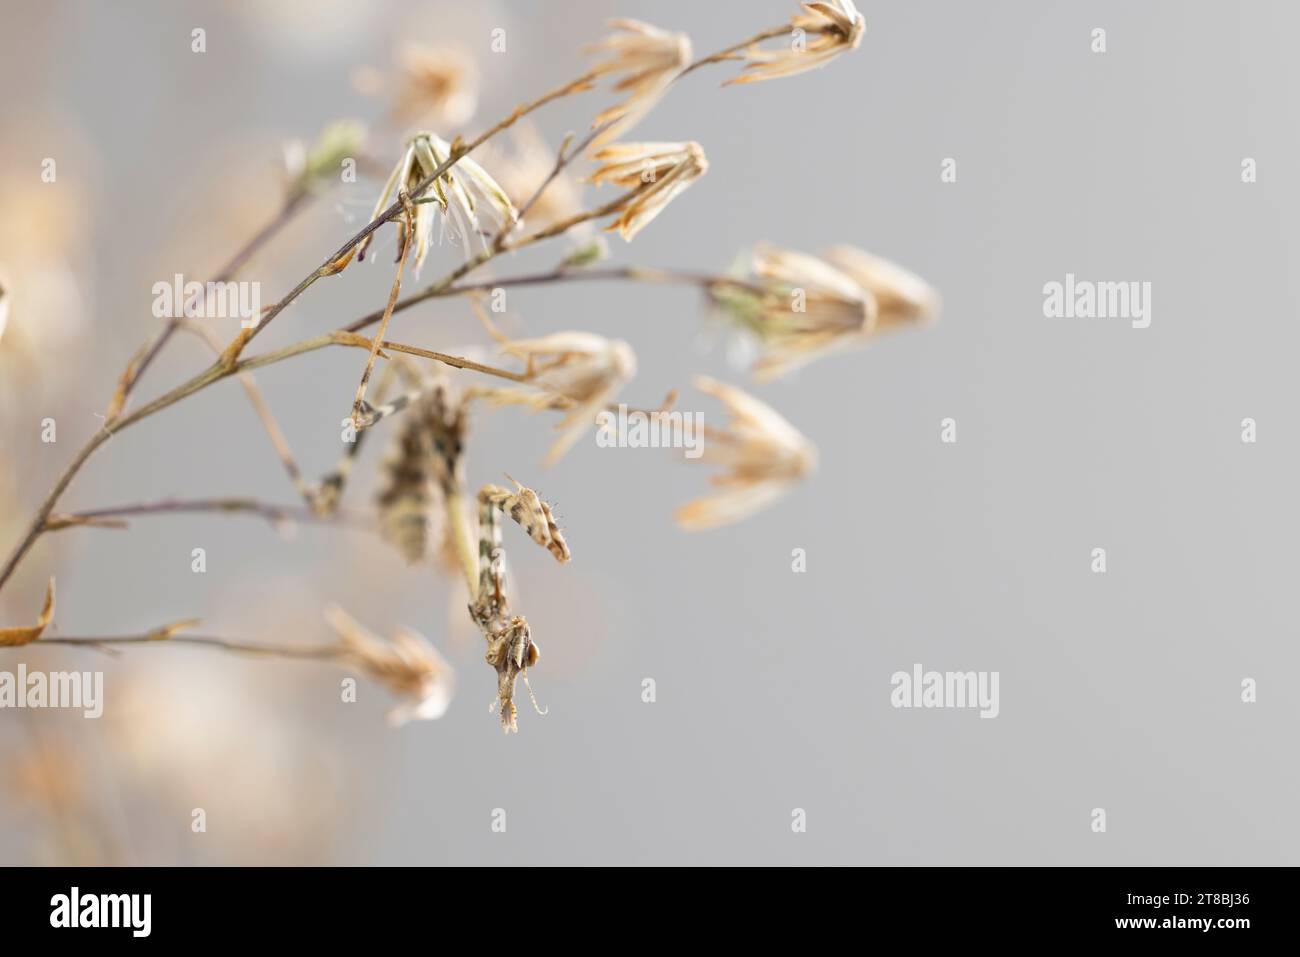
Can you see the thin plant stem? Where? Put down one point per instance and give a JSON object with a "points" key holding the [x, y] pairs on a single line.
{"points": [[343, 337], [440, 290], [314, 652], [733, 52], [562, 158], [147, 353], [456, 362], [613, 273], [37, 524], [408, 243], [270, 512]]}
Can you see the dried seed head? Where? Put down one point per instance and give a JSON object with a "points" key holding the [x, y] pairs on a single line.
{"points": [[648, 59], [658, 171], [438, 86], [798, 308], [464, 194], [796, 269], [406, 176], [837, 26], [762, 453], [902, 298], [408, 666], [802, 307], [582, 370]]}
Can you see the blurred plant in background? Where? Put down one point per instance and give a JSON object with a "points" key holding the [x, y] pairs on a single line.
{"points": [[43, 303], [269, 786]]}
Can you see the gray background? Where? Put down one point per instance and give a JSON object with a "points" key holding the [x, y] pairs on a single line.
{"points": [[1118, 691]]}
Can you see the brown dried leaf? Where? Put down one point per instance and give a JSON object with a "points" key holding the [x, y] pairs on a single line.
{"points": [[163, 632], [230, 356], [118, 402], [13, 637]]}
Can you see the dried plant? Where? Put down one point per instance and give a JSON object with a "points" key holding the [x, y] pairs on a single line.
{"points": [[800, 307], [459, 198], [656, 173], [764, 456], [438, 85], [837, 26], [797, 306], [525, 171], [578, 371], [901, 297], [408, 665], [648, 60], [13, 637]]}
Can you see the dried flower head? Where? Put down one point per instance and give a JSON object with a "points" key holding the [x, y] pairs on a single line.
{"points": [[902, 297], [408, 666], [648, 60], [423, 464], [582, 370], [763, 454], [311, 168], [462, 194], [658, 171], [798, 307], [4, 311], [837, 26], [438, 86], [801, 307]]}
